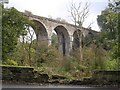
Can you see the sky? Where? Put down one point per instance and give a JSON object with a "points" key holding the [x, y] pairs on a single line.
{"points": [[59, 8]]}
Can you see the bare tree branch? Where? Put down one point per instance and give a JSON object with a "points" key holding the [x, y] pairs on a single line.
{"points": [[79, 15], [89, 26]]}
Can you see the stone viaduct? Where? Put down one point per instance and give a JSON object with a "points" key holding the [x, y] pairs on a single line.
{"points": [[66, 32]]}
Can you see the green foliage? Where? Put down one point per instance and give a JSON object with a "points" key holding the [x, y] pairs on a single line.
{"points": [[109, 23], [55, 40], [93, 57], [111, 65], [0, 33], [47, 58], [46, 54], [13, 25], [67, 64], [21, 54], [71, 68], [10, 62], [108, 27], [16, 66]]}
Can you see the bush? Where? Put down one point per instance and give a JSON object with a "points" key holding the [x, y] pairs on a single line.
{"points": [[47, 55], [111, 65], [10, 62]]}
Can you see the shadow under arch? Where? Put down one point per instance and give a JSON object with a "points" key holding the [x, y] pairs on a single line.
{"points": [[76, 40], [63, 39], [40, 31]]}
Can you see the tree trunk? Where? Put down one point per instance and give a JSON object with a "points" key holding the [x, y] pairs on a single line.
{"points": [[29, 54], [81, 49]]}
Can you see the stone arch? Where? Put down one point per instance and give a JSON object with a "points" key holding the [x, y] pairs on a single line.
{"points": [[63, 39], [90, 34], [40, 31], [88, 38], [76, 39]]}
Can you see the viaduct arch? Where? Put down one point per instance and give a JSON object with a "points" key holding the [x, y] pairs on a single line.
{"points": [[67, 37]]}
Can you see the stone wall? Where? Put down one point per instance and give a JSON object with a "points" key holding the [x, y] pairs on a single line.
{"points": [[29, 75], [106, 77], [24, 74], [17, 73]]}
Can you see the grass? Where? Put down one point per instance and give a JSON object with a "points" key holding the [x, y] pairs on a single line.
{"points": [[16, 66]]}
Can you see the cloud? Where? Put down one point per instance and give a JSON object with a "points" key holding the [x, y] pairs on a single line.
{"points": [[58, 8]]}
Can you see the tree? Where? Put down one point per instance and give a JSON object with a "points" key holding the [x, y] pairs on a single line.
{"points": [[79, 15], [0, 33], [109, 24], [13, 25], [28, 41]]}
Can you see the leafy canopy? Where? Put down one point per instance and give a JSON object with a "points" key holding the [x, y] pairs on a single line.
{"points": [[13, 25]]}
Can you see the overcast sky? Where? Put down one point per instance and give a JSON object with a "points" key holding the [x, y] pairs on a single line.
{"points": [[59, 8]]}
